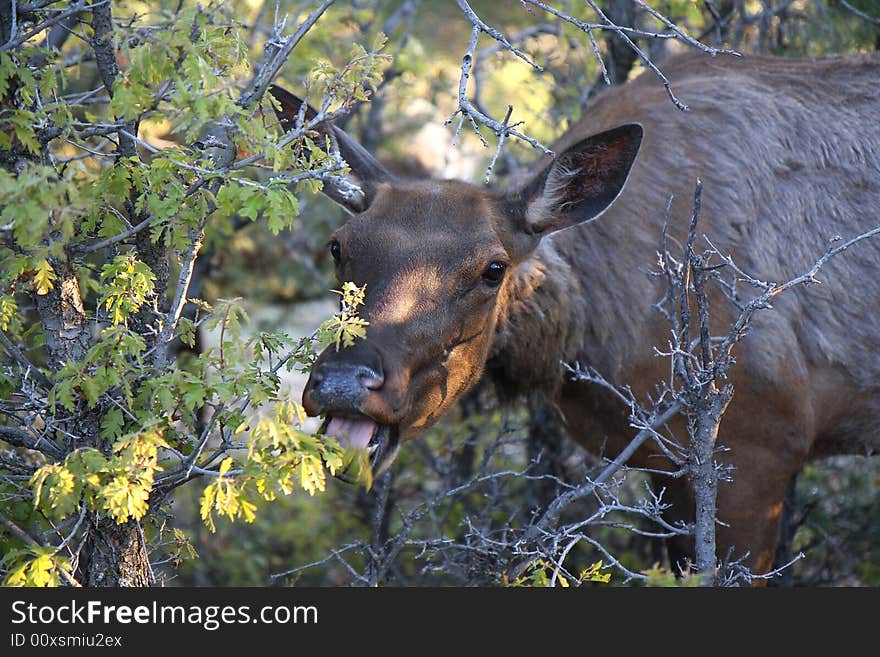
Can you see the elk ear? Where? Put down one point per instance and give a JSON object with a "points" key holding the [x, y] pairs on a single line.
{"points": [[583, 181], [369, 173]]}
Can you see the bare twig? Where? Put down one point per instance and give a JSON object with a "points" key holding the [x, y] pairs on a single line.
{"points": [[278, 49], [29, 368], [75, 8], [551, 515], [495, 34], [468, 111], [501, 137], [871, 19], [771, 290], [166, 335], [110, 241]]}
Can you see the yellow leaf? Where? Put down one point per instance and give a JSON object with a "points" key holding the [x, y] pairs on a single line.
{"points": [[312, 476], [207, 506], [44, 276], [247, 510], [40, 566], [125, 499], [226, 465], [41, 571]]}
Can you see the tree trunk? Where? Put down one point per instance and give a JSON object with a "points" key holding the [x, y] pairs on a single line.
{"points": [[5, 21], [114, 556], [63, 318], [619, 56]]}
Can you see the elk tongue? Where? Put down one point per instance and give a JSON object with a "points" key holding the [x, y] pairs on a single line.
{"points": [[352, 432]]}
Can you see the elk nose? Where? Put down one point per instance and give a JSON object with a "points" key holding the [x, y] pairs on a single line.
{"points": [[366, 376], [369, 378], [340, 387]]}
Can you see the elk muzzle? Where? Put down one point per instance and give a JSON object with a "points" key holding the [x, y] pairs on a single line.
{"points": [[348, 388], [340, 387]]}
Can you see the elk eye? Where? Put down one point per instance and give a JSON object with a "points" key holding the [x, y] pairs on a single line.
{"points": [[494, 273], [335, 250]]}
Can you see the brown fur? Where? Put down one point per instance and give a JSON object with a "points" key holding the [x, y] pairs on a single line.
{"points": [[789, 153]]}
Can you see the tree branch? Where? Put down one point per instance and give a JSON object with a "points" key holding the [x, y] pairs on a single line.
{"points": [[278, 49], [77, 7], [166, 335], [859, 13], [21, 438], [110, 241], [22, 360]]}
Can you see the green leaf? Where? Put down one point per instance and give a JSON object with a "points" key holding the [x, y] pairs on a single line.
{"points": [[251, 205], [281, 209], [56, 490], [22, 123], [206, 506], [345, 326], [186, 331], [7, 72], [88, 465], [112, 424], [312, 476], [594, 574], [128, 283]]}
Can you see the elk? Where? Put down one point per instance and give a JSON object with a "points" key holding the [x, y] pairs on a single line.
{"points": [[464, 281]]}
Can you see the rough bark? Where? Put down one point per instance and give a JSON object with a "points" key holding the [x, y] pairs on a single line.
{"points": [[5, 21], [63, 319], [151, 253], [112, 554], [115, 556], [155, 256]]}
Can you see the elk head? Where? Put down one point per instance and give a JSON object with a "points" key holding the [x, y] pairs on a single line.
{"points": [[436, 257]]}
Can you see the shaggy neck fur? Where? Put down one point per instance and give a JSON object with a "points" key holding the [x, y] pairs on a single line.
{"points": [[572, 301], [541, 324]]}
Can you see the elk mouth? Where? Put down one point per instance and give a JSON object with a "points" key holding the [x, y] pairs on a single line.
{"points": [[382, 441]]}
